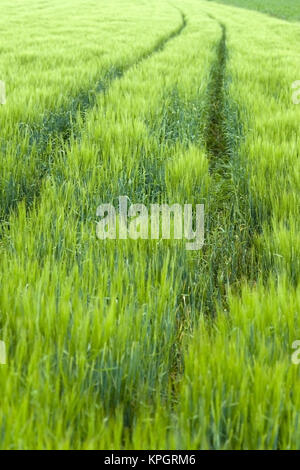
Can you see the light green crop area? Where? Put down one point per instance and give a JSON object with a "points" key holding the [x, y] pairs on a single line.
{"points": [[141, 344]]}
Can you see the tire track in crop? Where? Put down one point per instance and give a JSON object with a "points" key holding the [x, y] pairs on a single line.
{"points": [[56, 129], [227, 257], [233, 227], [215, 137]]}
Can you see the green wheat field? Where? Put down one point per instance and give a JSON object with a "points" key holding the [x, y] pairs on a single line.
{"points": [[142, 344]]}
